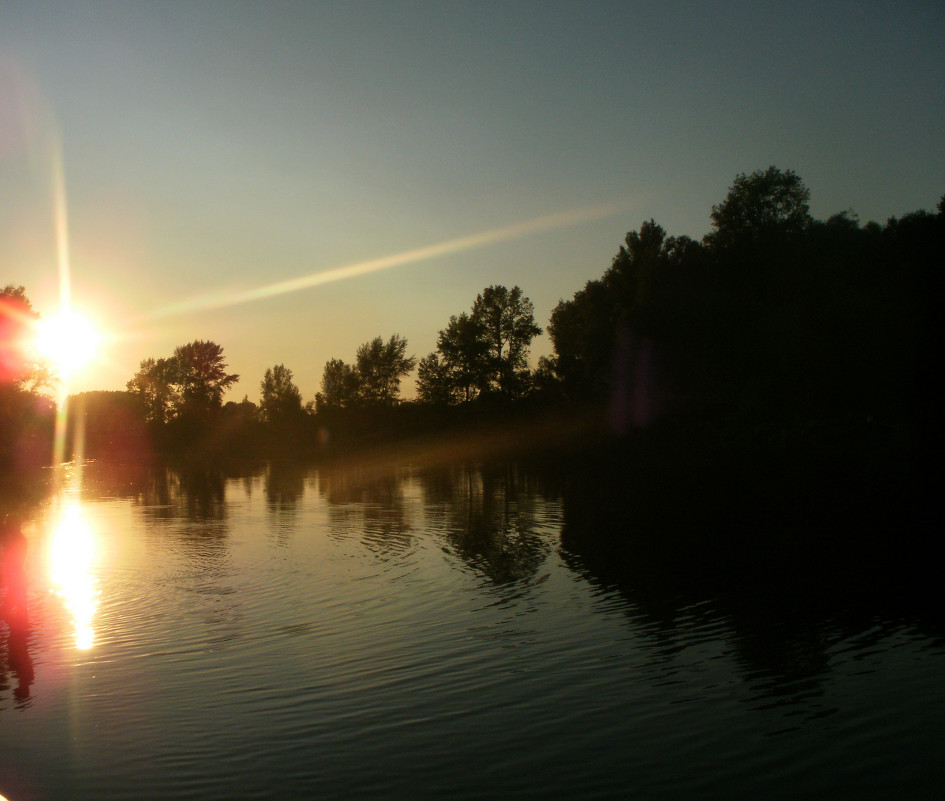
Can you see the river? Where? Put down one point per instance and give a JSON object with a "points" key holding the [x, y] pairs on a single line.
{"points": [[451, 631]]}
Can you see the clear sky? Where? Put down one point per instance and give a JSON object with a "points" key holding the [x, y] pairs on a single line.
{"points": [[210, 149]]}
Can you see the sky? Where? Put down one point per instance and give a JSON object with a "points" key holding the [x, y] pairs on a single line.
{"points": [[293, 179]]}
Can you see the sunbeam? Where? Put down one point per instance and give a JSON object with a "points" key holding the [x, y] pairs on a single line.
{"points": [[60, 212]]}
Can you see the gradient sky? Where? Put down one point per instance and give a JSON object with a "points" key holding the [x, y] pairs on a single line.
{"points": [[209, 149]]}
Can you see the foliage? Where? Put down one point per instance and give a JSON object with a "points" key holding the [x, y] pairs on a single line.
{"points": [[245, 410], [434, 384], [484, 352], [463, 353], [381, 366], [773, 321], [27, 422], [188, 385], [105, 422], [595, 335], [26, 417], [341, 386], [201, 377], [16, 316], [19, 363], [374, 379], [281, 399], [155, 387], [763, 204], [507, 318]]}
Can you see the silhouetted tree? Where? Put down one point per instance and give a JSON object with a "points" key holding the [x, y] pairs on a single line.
{"points": [[759, 205], [434, 384], [483, 352], [202, 377], [244, 410], [26, 417], [381, 366], [190, 384], [281, 399], [155, 386], [598, 334], [464, 354], [341, 385], [106, 422], [20, 364], [16, 318], [508, 321]]}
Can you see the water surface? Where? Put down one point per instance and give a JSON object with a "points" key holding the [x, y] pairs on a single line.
{"points": [[395, 631]]}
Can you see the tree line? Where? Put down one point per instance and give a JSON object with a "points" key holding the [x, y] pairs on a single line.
{"points": [[772, 322], [481, 354]]}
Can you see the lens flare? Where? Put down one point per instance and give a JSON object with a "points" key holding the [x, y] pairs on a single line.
{"points": [[69, 340]]}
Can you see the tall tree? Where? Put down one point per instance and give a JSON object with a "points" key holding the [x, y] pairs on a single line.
{"points": [[202, 376], [596, 335], [583, 333], [484, 351], [464, 355], [281, 399], [508, 321], [20, 365], [26, 418], [340, 386], [155, 385], [765, 204], [381, 366], [434, 384], [188, 384]]}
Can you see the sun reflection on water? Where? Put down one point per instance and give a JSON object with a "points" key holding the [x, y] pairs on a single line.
{"points": [[71, 556]]}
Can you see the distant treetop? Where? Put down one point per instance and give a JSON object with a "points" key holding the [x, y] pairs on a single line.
{"points": [[763, 203]]}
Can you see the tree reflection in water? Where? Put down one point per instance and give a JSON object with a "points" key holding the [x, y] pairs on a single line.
{"points": [[192, 493], [14, 649], [691, 574], [488, 515], [366, 499], [695, 563], [285, 485]]}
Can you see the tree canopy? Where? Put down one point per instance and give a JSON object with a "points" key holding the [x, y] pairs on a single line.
{"points": [[340, 386], [508, 325], [773, 316], [189, 384], [374, 379], [202, 376], [281, 399], [464, 358], [20, 365], [26, 417], [381, 366], [761, 204], [484, 352]]}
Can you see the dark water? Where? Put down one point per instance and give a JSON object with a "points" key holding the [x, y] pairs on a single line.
{"points": [[459, 632]]}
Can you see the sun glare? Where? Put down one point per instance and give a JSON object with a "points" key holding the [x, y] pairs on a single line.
{"points": [[69, 340], [72, 552]]}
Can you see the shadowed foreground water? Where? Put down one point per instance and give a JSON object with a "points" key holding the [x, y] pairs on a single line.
{"points": [[397, 632]]}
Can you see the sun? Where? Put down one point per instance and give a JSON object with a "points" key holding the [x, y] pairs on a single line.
{"points": [[69, 340]]}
